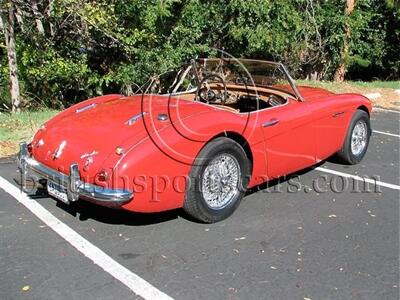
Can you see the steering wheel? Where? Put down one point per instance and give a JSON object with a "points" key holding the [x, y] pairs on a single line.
{"points": [[208, 95]]}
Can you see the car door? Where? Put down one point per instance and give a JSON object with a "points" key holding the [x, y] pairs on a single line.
{"points": [[289, 138], [330, 119]]}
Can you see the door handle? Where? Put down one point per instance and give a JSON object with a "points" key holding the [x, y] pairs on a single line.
{"points": [[271, 122]]}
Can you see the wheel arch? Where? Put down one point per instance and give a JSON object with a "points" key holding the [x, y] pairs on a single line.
{"points": [[241, 141], [364, 108]]}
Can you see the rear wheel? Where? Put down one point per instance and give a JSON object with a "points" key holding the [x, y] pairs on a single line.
{"points": [[218, 181], [357, 139]]}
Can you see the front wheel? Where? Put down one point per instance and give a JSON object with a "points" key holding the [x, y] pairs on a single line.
{"points": [[218, 181], [357, 139]]}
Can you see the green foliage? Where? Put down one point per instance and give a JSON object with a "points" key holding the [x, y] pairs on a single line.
{"points": [[373, 40], [100, 46], [46, 71], [20, 127]]}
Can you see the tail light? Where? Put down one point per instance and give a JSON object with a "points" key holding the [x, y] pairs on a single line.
{"points": [[29, 148]]}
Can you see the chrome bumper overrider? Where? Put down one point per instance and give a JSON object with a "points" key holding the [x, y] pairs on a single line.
{"points": [[73, 185]]}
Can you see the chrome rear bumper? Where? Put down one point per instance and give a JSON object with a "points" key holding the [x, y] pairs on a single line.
{"points": [[72, 183]]}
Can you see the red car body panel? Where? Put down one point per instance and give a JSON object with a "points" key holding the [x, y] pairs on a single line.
{"points": [[157, 155]]}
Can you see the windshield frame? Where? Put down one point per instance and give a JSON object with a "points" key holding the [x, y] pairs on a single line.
{"points": [[194, 63], [279, 65]]}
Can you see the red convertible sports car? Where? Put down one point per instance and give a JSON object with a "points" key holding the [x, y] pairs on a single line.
{"points": [[194, 138]]}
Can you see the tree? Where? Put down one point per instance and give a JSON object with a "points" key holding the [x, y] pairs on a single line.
{"points": [[70, 50], [7, 20], [340, 71]]}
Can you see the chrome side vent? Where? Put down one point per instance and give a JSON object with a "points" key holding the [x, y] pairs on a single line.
{"points": [[90, 106], [135, 118]]}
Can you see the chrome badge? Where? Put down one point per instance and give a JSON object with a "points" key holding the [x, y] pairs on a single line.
{"points": [[57, 153]]}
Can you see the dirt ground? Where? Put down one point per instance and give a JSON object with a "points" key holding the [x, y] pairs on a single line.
{"points": [[390, 98], [8, 148]]}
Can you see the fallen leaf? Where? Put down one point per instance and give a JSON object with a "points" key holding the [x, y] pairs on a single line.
{"points": [[26, 288]]}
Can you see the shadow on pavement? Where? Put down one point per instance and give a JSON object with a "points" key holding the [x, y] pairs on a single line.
{"points": [[86, 210]]}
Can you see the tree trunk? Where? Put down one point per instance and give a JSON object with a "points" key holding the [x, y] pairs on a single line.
{"points": [[341, 69], [7, 26], [49, 13], [38, 20], [20, 20]]}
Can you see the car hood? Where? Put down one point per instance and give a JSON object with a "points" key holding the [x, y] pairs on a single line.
{"points": [[90, 134]]}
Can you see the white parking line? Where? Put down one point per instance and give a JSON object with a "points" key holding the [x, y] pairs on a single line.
{"points": [[135, 283], [386, 133], [368, 180], [387, 110]]}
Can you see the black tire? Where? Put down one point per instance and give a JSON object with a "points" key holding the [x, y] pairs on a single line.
{"points": [[346, 154], [195, 204]]}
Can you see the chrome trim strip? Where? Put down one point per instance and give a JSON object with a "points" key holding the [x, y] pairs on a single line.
{"points": [[337, 114], [89, 106], [73, 184], [133, 119]]}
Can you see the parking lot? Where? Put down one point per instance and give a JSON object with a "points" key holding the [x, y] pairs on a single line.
{"points": [[322, 241]]}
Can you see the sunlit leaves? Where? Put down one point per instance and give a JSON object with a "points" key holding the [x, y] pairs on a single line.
{"points": [[102, 46]]}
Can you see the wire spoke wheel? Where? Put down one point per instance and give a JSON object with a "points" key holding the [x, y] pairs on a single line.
{"points": [[220, 181], [359, 137], [220, 176]]}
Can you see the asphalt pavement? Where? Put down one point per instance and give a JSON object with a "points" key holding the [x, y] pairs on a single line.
{"points": [[322, 241]]}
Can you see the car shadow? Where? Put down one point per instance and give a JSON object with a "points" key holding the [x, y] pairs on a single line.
{"points": [[337, 161], [84, 210], [274, 182]]}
